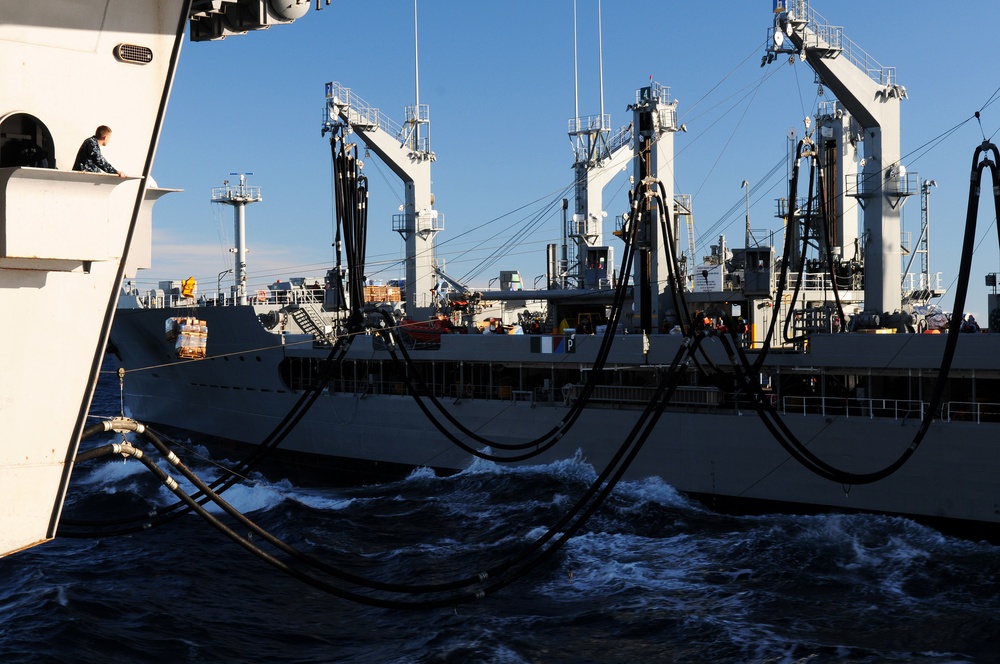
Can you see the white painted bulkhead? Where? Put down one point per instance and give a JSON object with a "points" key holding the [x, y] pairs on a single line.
{"points": [[62, 234]]}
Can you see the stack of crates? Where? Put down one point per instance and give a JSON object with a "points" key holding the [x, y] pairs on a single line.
{"points": [[189, 336]]}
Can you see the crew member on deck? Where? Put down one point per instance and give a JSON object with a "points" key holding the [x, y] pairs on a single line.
{"points": [[89, 157]]}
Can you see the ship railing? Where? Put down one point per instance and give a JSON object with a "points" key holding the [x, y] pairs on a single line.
{"points": [[621, 138], [689, 395], [458, 392], [302, 375], [590, 124], [281, 296], [899, 409], [547, 395], [156, 299], [913, 282], [686, 396], [523, 396], [832, 37], [302, 295], [358, 112], [971, 411], [821, 281]]}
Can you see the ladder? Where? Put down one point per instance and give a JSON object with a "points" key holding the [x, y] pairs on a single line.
{"points": [[682, 208], [309, 321]]}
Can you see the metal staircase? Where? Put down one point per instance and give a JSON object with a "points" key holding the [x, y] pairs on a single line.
{"points": [[309, 321]]}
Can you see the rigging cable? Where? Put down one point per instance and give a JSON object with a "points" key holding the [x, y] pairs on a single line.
{"points": [[506, 573], [352, 197], [544, 441], [806, 226], [798, 450], [827, 213], [261, 451]]}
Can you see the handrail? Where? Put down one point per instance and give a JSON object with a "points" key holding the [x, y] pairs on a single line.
{"points": [[302, 295], [834, 38], [361, 112], [693, 398]]}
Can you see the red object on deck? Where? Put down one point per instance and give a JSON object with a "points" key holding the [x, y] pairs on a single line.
{"points": [[430, 331]]}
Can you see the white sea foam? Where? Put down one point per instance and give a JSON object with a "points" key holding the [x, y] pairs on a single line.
{"points": [[250, 498], [656, 490], [480, 466], [575, 468], [422, 473], [109, 473], [258, 494]]}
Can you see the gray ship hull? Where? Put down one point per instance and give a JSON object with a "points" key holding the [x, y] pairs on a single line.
{"points": [[719, 453]]}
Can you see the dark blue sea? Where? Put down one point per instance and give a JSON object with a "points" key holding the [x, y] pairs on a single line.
{"points": [[651, 577]]}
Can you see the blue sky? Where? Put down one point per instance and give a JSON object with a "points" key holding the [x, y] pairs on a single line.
{"points": [[499, 80]]}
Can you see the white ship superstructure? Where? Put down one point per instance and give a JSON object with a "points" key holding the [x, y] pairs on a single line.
{"points": [[65, 69]]}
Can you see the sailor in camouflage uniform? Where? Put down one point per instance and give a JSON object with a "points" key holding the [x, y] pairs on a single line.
{"points": [[89, 157]]}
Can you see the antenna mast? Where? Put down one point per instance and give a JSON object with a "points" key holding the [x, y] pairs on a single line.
{"points": [[239, 197], [416, 76], [576, 68], [600, 49]]}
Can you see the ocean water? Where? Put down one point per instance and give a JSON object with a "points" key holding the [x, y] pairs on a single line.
{"points": [[651, 577]]}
